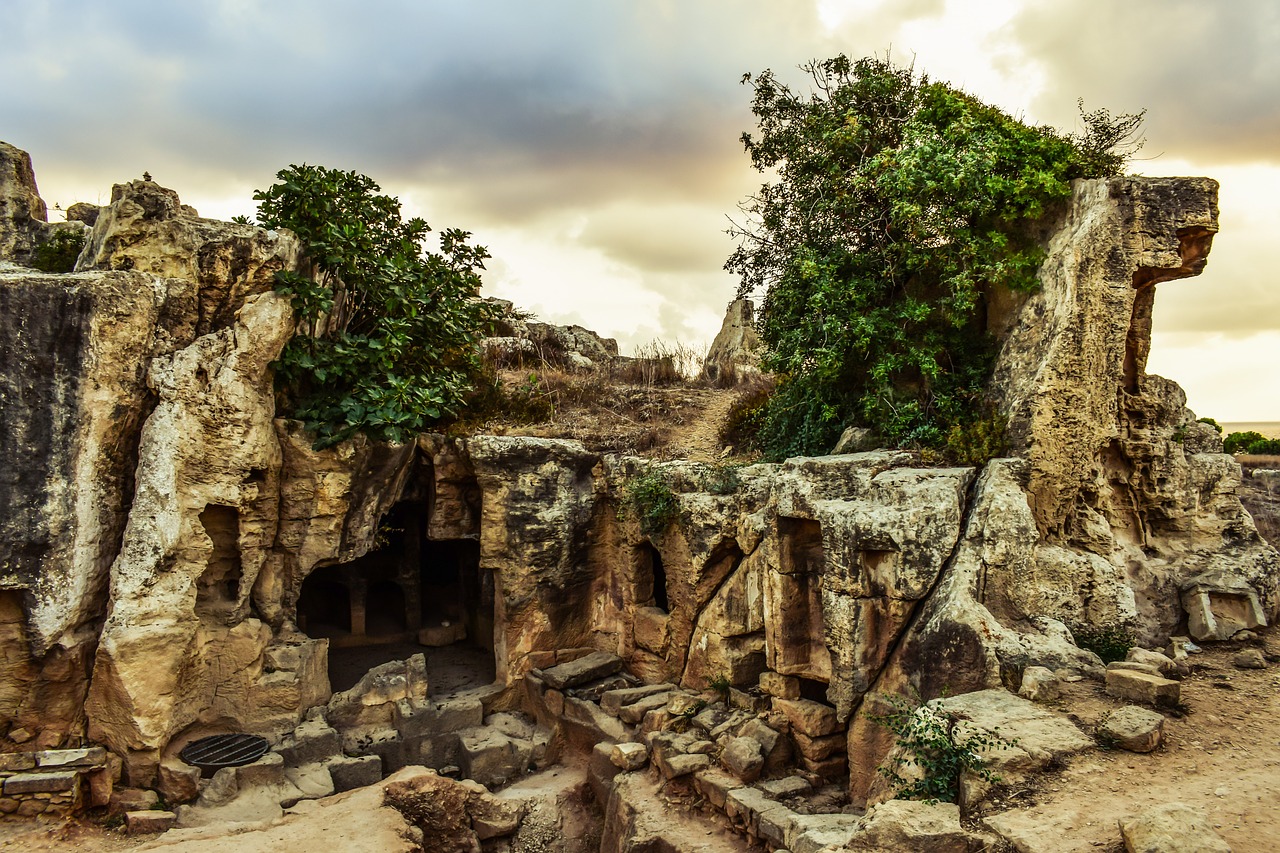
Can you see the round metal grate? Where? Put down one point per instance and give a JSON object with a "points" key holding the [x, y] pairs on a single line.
{"points": [[218, 751]]}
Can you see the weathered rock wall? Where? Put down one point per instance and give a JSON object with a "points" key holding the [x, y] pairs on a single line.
{"points": [[163, 535]]}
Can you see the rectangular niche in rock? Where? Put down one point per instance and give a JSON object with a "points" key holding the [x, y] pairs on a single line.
{"points": [[796, 639], [218, 589], [651, 577]]}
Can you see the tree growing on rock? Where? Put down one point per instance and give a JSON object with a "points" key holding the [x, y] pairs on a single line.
{"points": [[897, 206], [387, 328]]}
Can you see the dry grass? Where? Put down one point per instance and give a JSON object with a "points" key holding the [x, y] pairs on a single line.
{"points": [[641, 405]]}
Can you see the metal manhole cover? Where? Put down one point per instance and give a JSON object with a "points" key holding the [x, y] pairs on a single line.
{"points": [[213, 753]]}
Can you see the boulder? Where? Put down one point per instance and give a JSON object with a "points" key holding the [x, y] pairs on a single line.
{"points": [[1142, 687], [905, 826], [1133, 728], [734, 355]]}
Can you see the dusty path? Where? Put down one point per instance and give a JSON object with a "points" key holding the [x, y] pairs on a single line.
{"points": [[699, 441]]}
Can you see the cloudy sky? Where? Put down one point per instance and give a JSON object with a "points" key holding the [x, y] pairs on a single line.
{"points": [[592, 145]]}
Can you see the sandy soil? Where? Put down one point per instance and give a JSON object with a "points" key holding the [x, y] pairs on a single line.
{"points": [[1221, 755]]}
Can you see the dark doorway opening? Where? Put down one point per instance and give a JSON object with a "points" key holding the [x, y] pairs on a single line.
{"points": [[409, 595], [651, 578]]}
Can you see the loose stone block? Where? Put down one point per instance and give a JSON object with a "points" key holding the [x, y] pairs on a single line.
{"points": [[675, 765], [580, 671], [629, 756], [808, 717], [1133, 728], [1142, 687], [786, 787], [350, 773], [1039, 684], [614, 700], [744, 758], [489, 756], [179, 782], [635, 712], [32, 783], [147, 822], [134, 800]]}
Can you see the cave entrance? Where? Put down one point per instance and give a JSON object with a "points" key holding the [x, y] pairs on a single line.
{"points": [[651, 578], [409, 595]]}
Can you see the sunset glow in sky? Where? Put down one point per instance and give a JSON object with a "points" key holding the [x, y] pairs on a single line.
{"points": [[593, 145]]}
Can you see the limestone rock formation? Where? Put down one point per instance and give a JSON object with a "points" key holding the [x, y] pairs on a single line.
{"points": [[177, 559], [23, 215], [735, 353]]}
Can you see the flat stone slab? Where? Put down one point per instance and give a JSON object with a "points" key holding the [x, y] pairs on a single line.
{"points": [[580, 671], [614, 700], [1041, 735], [1142, 687], [40, 783], [1171, 828], [94, 756]]}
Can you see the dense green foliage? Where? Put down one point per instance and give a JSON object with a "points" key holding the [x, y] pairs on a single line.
{"points": [[1108, 642], [387, 329], [933, 752], [651, 498], [898, 204], [1252, 443], [58, 254]]}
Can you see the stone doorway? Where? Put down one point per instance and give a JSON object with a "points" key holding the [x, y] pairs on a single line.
{"points": [[409, 595]]}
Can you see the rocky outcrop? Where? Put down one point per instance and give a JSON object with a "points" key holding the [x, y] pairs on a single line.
{"points": [[734, 355], [23, 215], [178, 559]]}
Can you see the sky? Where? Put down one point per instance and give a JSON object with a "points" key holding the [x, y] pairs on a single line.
{"points": [[593, 146]]}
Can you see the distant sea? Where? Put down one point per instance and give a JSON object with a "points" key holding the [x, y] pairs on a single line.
{"points": [[1271, 429]]}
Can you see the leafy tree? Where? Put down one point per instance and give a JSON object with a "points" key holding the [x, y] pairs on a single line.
{"points": [[898, 204], [1251, 442], [387, 329]]}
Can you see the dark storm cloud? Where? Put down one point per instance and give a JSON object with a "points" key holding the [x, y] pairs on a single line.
{"points": [[516, 107], [1208, 73]]}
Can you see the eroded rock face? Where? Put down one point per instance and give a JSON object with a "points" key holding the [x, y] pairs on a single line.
{"points": [[734, 355], [23, 215], [172, 548]]}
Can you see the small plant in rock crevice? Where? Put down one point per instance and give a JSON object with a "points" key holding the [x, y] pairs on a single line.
{"points": [[934, 751], [58, 254], [1108, 642], [652, 500]]}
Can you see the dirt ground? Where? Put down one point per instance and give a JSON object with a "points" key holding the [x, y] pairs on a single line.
{"points": [[1221, 754]]}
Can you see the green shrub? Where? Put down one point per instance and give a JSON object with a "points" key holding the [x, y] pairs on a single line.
{"points": [[927, 739], [897, 204], [58, 254], [979, 441], [1251, 442], [1211, 422], [650, 497], [1109, 642], [387, 335]]}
